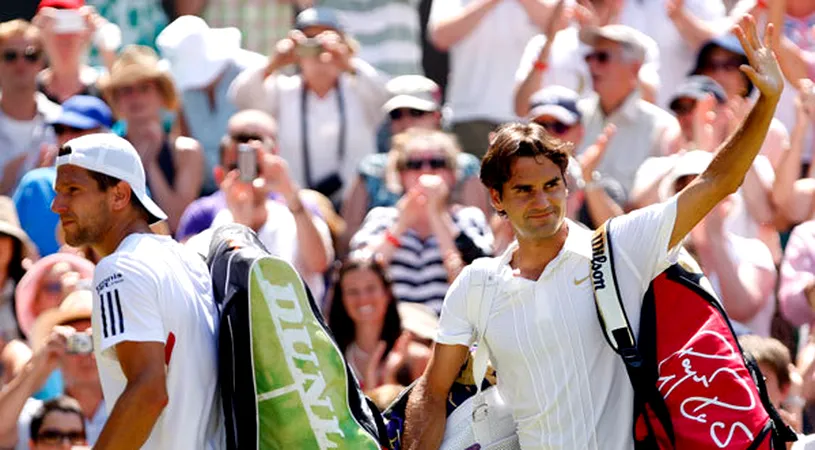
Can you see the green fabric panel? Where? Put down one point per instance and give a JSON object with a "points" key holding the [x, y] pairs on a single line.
{"points": [[300, 375]]}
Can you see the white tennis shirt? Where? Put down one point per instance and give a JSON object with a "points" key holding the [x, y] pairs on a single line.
{"points": [[152, 289], [567, 387]]}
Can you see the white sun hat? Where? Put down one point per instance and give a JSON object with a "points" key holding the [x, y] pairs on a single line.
{"points": [[196, 54]]}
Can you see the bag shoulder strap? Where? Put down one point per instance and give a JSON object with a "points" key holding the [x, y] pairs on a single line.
{"points": [[610, 307], [483, 284], [480, 296]]}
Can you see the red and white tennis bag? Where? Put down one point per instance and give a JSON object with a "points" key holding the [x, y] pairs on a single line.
{"points": [[694, 388]]}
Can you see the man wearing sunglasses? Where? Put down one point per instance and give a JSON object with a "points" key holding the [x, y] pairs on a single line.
{"points": [[643, 129], [684, 104], [24, 113], [57, 424], [268, 202], [50, 336], [590, 201]]}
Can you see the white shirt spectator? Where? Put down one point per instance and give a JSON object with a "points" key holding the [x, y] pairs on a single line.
{"points": [[483, 63], [643, 130], [24, 138], [280, 95], [568, 68], [676, 56], [152, 289], [567, 387], [279, 236], [750, 252]]}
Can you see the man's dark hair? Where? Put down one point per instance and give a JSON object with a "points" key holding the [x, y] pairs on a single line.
{"points": [[517, 140], [63, 404], [106, 182]]}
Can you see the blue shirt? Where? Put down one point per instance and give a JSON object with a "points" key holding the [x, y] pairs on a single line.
{"points": [[33, 199]]}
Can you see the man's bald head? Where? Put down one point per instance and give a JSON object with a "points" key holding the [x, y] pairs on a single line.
{"points": [[252, 121]]}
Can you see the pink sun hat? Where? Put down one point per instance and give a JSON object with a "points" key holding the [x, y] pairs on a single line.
{"points": [[29, 287]]}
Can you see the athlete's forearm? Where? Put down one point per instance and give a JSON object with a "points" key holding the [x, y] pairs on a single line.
{"points": [[425, 418], [737, 153], [133, 417]]}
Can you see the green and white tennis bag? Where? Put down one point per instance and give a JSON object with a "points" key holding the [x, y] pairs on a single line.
{"points": [[284, 382]]}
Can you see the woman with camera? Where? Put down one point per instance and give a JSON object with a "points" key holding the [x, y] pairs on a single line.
{"points": [[328, 111]]}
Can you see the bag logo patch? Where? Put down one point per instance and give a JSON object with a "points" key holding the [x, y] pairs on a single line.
{"points": [[691, 371]]}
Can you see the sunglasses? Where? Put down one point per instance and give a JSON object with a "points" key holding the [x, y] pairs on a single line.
{"points": [[554, 127], [727, 65], [141, 88], [53, 287], [601, 56], [432, 163], [397, 114], [56, 437], [682, 108], [60, 129], [243, 138], [30, 54]]}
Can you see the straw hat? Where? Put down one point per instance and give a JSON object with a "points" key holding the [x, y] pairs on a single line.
{"points": [[10, 225], [76, 306], [138, 63], [29, 286]]}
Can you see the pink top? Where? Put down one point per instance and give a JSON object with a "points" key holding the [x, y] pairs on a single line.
{"points": [[798, 270]]}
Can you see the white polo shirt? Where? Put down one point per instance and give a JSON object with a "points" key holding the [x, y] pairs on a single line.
{"points": [[152, 289], [567, 387]]}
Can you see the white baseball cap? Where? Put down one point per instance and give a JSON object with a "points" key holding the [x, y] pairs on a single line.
{"points": [[114, 156]]}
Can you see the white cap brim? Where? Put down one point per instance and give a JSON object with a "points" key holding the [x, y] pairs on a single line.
{"points": [[79, 160], [409, 101], [560, 113]]}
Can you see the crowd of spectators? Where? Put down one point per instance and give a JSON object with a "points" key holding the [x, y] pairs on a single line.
{"points": [[366, 121]]}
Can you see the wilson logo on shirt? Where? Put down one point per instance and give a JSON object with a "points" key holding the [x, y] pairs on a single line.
{"points": [[112, 318]]}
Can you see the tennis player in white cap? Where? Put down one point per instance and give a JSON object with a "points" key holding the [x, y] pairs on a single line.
{"points": [[154, 319]]}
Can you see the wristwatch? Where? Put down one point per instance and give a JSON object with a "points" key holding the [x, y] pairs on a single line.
{"points": [[594, 183]]}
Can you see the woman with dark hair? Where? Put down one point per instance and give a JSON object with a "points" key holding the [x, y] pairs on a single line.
{"points": [[15, 248], [365, 320]]}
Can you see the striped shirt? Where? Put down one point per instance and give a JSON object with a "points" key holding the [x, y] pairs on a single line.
{"points": [[388, 32], [262, 22], [416, 268]]}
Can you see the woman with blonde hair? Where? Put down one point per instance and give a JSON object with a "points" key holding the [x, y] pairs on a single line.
{"points": [[425, 240], [140, 93]]}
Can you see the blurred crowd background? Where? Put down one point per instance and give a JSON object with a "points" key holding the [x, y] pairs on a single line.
{"points": [[348, 135]]}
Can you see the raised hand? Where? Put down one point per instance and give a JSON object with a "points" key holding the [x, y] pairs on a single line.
{"points": [[805, 101], [763, 70], [674, 7], [591, 158], [338, 50], [704, 132], [558, 20]]}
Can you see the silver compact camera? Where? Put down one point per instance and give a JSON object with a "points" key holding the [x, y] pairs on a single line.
{"points": [[247, 163], [79, 344]]}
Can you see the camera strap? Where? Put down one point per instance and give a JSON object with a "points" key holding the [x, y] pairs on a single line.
{"points": [[304, 131]]}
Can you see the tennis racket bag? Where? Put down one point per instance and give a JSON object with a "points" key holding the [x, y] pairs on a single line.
{"points": [[284, 383], [694, 388]]}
